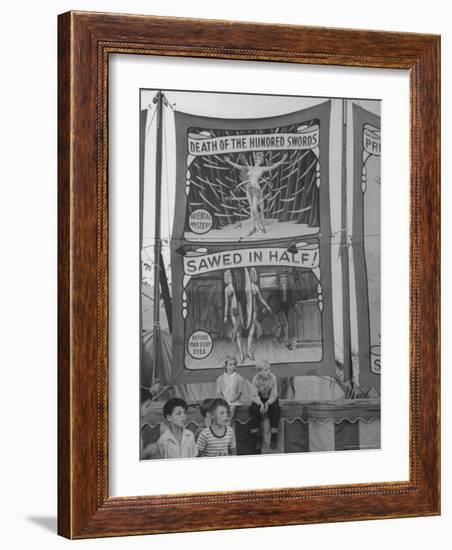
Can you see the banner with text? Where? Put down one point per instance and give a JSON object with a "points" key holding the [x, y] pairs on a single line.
{"points": [[250, 252], [305, 138]]}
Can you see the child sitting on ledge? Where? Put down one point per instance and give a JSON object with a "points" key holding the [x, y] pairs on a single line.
{"points": [[265, 403], [229, 385]]}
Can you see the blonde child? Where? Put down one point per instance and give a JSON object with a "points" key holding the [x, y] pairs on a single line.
{"points": [[218, 439], [230, 384], [265, 402]]}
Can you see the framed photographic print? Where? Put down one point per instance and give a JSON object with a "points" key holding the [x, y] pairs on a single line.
{"points": [[248, 275]]}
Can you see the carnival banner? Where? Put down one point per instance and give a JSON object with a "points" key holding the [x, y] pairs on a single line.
{"points": [[366, 244], [251, 245]]}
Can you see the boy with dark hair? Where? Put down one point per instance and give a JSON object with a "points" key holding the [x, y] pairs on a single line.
{"points": [[176, 441]]}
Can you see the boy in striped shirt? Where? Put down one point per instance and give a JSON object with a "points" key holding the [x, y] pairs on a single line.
{"points": [[217, 439]]}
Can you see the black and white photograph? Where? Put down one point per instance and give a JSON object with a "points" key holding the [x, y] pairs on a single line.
{"points": [[260, 274], [192, 356]]}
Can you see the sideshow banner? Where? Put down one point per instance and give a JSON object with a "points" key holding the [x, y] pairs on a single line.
{"points": [[251, 245], [366, 244]]}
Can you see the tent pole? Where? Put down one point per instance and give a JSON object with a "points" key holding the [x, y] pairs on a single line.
{"points": [[348, 375], [158, 99]]}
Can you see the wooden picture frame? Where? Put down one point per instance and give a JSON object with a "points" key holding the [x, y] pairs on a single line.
{"points": [[86, 40]]}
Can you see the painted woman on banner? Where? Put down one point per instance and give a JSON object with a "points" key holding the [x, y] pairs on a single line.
{"points": [[255, 300], [253, 188], [233, 311]]}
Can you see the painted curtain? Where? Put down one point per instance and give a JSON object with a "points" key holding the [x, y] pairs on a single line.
{"points": [[251, 246]]}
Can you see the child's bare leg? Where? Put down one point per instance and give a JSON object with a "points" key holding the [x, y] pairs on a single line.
{"points": [[266, 432], [274, 414]]}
